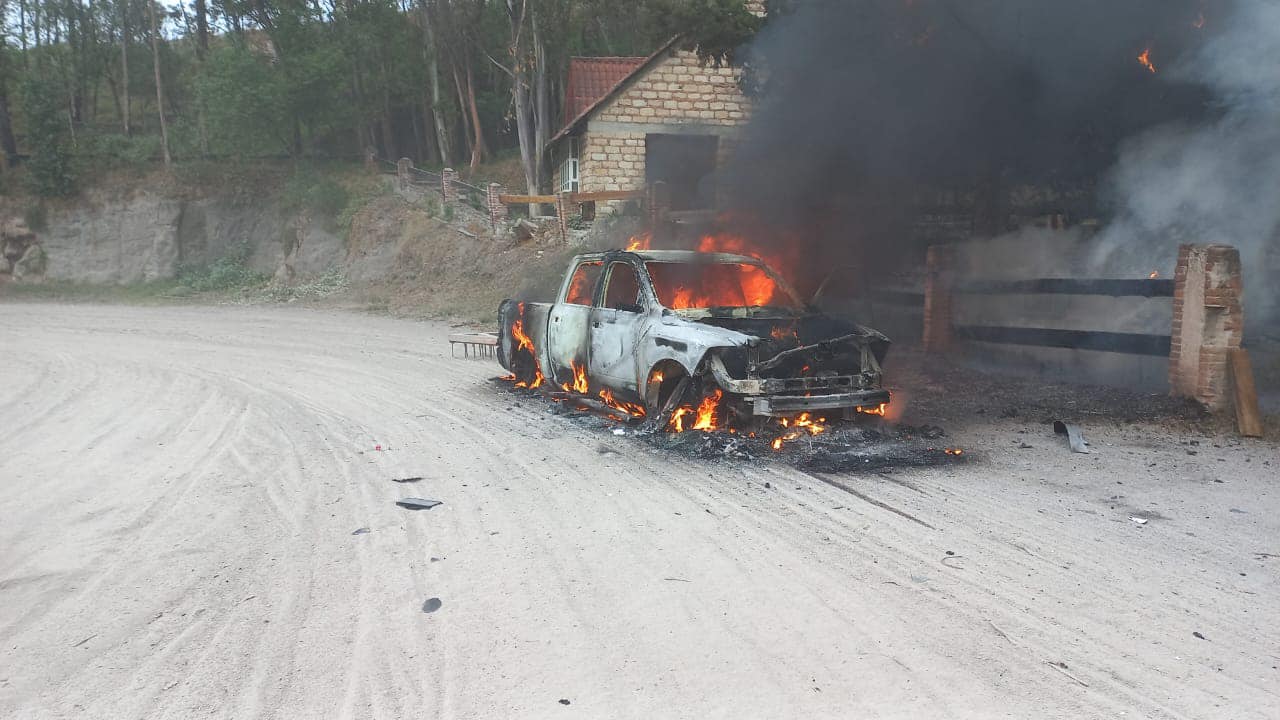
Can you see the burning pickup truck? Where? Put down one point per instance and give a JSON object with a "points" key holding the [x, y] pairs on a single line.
{"points": [[656, 332]]}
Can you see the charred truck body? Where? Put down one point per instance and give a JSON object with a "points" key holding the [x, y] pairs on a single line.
{"points": [[659, 327]]}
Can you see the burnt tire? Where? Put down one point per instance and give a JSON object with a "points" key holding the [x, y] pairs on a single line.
{"points": [[524, 366]]}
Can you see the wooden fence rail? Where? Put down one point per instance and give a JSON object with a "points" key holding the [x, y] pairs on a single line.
{"points": [[600, 196]]}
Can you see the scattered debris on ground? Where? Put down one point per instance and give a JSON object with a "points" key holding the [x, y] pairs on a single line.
{"points": [[418, 503], [1075, 437], [870, 443]]}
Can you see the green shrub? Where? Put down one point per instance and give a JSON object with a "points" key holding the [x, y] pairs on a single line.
{"points": [[119, 149], [316, 193], [49, 167], [226, 273], [328, 283]]}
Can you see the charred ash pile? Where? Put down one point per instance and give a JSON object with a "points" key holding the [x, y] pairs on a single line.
{"points": [[869, 443]]}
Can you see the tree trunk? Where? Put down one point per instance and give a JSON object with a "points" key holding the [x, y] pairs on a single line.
{"points": [[115, 92], [124, 65], [520, 95], [478, 149], [362, 138], [8, 146], [202, 28], [415, 123], [430, 144], [431, 54], [155, 61], [541, 107], [22, 28], [388, 132], [202, 49], [467, 135]]}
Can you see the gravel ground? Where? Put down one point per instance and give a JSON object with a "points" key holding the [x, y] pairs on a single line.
{"points": [[196, 520]]}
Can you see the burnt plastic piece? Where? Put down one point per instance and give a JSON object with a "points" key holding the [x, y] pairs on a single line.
{"points": [[418, 503]]}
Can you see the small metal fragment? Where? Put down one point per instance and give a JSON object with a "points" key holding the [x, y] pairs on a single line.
{"points": [[418, 503], [1075, 438]]}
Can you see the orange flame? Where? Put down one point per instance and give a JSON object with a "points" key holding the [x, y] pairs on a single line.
{"points": [[1154, 274], [579, 385], [803, 423], [707, 412], [524, 342], [953, 451], [782, 332], [878, 410], [631, 409], [704, 417], [1199, 22], [1145, 60], [639, 242], [719, 285]]}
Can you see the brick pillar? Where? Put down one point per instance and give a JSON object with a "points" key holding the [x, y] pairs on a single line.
{"points": [[1208, 321], [403, 166], [564, 206], [447, 190], [938, 284], [497, 211]]}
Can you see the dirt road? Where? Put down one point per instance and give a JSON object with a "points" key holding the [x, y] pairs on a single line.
{"points": [[179, 488]]}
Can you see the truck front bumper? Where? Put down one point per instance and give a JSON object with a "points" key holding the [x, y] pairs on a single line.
{"points": [[787, 405]]}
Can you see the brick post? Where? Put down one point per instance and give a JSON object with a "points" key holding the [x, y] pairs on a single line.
{"points": [[564, 206], [448, 192], [497, 211], [938, 285], [1208, 321], [403, 166]]}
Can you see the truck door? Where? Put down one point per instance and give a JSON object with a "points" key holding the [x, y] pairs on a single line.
{"points": [[616, 323], [568, 339]]}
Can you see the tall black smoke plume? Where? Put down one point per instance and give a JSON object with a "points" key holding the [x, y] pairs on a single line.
{"points": [[870, 108]]}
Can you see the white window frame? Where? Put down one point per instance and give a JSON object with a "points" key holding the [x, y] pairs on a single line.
{"points": [[569, 170]]}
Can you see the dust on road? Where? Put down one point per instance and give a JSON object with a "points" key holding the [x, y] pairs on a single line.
{"points": [[181, 490]]}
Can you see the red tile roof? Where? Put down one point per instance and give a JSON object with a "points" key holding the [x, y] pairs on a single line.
{"points": [[600, 80], [591, 78]]}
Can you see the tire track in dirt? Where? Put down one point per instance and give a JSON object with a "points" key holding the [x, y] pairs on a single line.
{"points": [[635, 582]]}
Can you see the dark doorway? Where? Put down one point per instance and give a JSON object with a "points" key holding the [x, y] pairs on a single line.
{"points": [[686, 163]]}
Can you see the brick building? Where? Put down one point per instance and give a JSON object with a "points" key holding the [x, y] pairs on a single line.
{"points": [[633, 121]]}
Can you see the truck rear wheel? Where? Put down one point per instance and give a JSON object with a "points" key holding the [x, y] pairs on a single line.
{"points": [[524, 367]]}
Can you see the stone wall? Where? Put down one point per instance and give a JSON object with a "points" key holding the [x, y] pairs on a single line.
{"points": [[145, 237], [611, 161], [678, 89]]}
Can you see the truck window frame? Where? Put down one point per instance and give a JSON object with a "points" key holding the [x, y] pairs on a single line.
{"points": [[595, 283], [641, 300]]}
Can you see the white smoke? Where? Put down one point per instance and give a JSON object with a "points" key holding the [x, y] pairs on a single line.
{"points": [[1213, 183]]}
